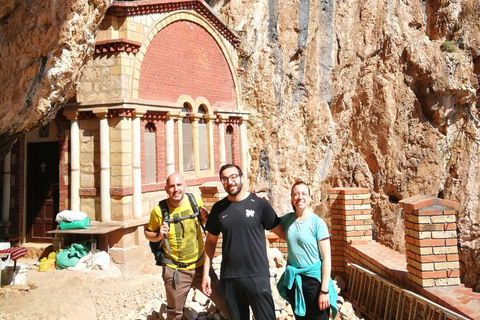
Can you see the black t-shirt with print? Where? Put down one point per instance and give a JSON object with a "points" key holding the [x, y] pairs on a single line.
{"points": [[243, 224]]}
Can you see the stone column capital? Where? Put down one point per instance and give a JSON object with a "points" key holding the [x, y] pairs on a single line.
{"points": [[139, 112], [222, 118], [171, 115], [196, 116], [71, 114], [100, 112]]}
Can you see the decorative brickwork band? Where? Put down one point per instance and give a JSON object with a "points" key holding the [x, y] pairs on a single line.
{"points": [[431, 241]]}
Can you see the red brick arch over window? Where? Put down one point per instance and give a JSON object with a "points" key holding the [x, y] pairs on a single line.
{"points": [[184, 59]]}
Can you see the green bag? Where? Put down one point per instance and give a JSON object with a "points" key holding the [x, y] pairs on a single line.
{"points": [[79, 224], [70, 257]]}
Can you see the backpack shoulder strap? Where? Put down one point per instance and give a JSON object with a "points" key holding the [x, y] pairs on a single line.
{"points": [[196, 210], [166, 218], [193, 202], [165, 212]]}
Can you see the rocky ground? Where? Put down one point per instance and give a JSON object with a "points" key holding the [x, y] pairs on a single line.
{"points": [[107, 294], [65, 294]]}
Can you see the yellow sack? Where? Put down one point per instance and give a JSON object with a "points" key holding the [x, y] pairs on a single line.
{"points": [[47, 264]]}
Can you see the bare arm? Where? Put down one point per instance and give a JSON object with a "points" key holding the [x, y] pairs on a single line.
{"points": [[210, 245], [204, 215], [324, 246], [157, 235], [278, 230]]}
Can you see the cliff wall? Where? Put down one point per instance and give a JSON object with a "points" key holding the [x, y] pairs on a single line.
{"points": [[43, 47], [368, 93], [379, 94]]}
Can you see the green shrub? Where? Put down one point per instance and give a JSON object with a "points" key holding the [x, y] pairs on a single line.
{"points": [[448, 46]]}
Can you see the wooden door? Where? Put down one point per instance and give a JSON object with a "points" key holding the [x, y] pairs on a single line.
{"points": [[42, 190]]}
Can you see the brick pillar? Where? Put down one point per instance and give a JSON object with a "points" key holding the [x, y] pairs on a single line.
{"points": [[211, 193], [351, 218], [431, 241]]}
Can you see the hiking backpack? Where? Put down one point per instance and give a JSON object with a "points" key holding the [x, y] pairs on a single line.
{"points": [[157, 247]]}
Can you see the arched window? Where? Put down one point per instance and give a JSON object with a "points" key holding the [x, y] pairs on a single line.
{"points": [[150, 154], [187, 145], [202, 139], [229, 145]]}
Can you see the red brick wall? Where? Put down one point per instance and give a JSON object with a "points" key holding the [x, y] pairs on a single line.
{"points": [[183, 58]]}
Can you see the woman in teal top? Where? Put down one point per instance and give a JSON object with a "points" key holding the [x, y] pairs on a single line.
{"points": [[306, 282]]}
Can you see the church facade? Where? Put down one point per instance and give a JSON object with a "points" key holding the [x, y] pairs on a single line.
{"points": [[161, 94]]}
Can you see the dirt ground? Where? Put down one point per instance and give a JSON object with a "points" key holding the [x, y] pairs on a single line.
{"points": [[66, 294]]}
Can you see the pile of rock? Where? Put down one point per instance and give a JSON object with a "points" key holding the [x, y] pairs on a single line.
{"points": [[198, 306]]}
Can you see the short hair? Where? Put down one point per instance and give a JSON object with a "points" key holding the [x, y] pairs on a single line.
{"points": [[228, 166], [297, 183], [300, 182]]}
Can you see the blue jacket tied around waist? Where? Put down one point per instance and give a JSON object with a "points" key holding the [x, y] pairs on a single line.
{"points": [[292, 276]]}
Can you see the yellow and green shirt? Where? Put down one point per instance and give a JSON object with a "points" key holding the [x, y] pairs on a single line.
{"points": [[185, 237]]}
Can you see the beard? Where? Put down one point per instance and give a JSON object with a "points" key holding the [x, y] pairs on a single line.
{"points": [[235, 191]]}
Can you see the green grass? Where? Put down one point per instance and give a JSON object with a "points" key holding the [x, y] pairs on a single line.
{"points": [[448, 46]]}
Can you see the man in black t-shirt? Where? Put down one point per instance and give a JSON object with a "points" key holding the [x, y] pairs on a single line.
{"points": [[242, 218]]}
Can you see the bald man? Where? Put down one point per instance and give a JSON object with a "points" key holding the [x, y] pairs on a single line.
{"points": [[186, 248]]}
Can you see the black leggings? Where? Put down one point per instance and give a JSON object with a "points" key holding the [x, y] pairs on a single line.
{"points": [[311, 290]]}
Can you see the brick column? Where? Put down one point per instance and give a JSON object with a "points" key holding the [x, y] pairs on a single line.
{"points": [[351, 218], [211, 193], [431, 241]]}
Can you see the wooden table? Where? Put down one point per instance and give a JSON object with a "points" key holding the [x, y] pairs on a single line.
{"points": [[96, 227]]}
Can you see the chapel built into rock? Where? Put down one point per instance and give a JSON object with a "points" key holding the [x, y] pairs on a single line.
{"points": [[160, 95]]}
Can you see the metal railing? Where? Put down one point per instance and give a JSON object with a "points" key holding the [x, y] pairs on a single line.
{"points": [[377, 298]]}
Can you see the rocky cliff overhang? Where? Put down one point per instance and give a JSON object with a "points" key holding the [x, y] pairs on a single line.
{"points": [[43, 47]]}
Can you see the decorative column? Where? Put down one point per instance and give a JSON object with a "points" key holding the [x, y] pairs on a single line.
{"points": [[244, 148], [7, 176], [105, 205], [136, 162], [169, 145], [351, 215], [221, 141], [211, 154], [181, 115], [431, 241], [74, 160]]}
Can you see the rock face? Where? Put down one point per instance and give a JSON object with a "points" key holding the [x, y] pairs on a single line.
{"points": [[375, 94], [43, 46]]}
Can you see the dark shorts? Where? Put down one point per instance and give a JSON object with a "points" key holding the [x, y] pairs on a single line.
{"points": [[254, 292]]}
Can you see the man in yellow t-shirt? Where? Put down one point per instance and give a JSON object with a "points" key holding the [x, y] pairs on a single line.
{"points": [[186, 248]]}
